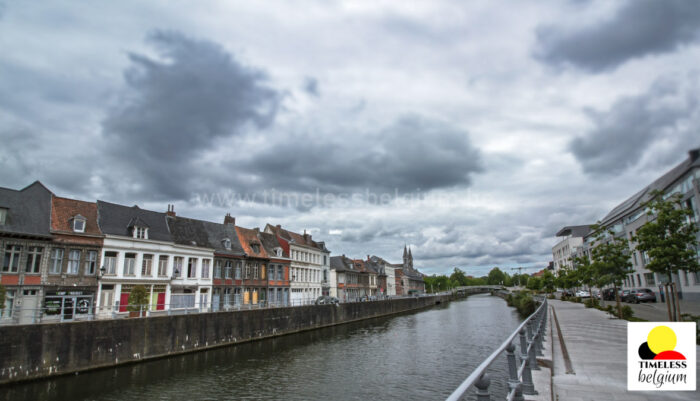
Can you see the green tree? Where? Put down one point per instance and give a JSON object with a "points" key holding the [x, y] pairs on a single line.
{"points": [[585, 272], [138, 299], [548, 284], [669, 238], [534, 284], [459, 276], [496, 277], [611, 260]]}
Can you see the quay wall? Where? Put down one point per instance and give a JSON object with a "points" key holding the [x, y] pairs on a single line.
{"points": [[29, 352]]}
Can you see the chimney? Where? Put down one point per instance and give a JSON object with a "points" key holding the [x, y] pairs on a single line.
{"points": [[228, 219], [694, 154], [171, 210], [279, 226]]}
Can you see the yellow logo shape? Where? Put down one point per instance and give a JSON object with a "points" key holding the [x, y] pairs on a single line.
{"points": [[660, 339]]}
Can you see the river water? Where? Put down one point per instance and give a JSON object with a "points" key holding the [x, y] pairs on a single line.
{"points": [[418, 356]]}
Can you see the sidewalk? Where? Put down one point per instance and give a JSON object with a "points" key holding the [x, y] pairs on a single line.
{"points": [[657, 311], [597, 349]]}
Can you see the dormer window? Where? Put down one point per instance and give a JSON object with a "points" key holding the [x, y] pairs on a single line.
{"points": [[78, 224], [227, 243], [140, 232], [256, 248], [278, 251]]}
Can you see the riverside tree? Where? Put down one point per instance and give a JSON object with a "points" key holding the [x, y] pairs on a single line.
{"points": [[611, 260], [585, 272], [669, 238], [138, 298]]}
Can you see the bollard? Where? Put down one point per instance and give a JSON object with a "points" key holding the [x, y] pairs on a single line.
{"points": [[482, 388], [512, 365]]}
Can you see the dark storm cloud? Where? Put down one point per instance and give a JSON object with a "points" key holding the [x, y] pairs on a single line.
{"points": [[413, 154], [668, 111], [178, 105], [637, 29]]}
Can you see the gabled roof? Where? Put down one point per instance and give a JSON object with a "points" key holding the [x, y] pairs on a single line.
{"points": [[303, 240], [662, 183], [247, 238], [342, 264], [116, 219], [270, 242], [28, 210], [186, 231], [64, 210]]}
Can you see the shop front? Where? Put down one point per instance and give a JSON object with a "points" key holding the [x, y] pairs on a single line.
{"points": [[66, 305]]}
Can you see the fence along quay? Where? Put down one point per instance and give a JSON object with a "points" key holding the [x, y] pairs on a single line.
{"points": [[531, 336]]}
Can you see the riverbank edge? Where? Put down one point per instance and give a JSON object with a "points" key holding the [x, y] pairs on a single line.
{"points": [[112, 345]]}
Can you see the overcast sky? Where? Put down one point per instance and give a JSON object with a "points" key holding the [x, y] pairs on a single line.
{"points": [[471, 131]]}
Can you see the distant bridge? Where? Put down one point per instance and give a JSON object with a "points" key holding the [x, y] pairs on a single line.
{"points": [[477, 289]]}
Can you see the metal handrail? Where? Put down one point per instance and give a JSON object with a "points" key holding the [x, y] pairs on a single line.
{"points": [[522, 383]]}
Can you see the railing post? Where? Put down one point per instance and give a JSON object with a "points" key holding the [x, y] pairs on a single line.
{"points": [[532, 355], [523, 345], [528, 385], [512, 365], [482, 388], [518, 392]]}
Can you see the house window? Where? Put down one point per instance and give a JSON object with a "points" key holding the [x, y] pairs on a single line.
{"points": [[238, 271], [146, 265], [255, 271], [246, 274], [162, 265], [78, 224], [141, 232], [228, 269], [9, 303], [12, 254], [280, 272], [192, 267], [217, 269], [73, 261], [3, 215], [227, 244], [256, 248], [205, 268], [56, 261], [111, 263], [91, 263], [130, 264], [649, 278], [34, 259], [177, 266]]}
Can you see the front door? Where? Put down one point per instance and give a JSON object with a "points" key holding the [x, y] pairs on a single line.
{"points": [[68, 309], [30, 304]]}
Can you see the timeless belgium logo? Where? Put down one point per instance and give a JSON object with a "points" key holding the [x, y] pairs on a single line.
{"points": [[661, 356]]}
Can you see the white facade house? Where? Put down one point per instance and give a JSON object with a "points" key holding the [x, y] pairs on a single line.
{"points": [[309, 265], [390, 279], [569, 246], [138, 250]]}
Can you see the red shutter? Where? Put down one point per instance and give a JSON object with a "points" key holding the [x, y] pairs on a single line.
{"points": [[161, 301], [123, 302]]}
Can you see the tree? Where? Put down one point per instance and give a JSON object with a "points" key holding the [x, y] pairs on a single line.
{"points": [[534, 283], [496, 277], [459, 276], [669, 238], [138, 299], [585, 272], [611, 260], [548, 282]]}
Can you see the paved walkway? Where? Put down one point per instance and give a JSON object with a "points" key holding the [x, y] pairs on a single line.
{"points": [[597, 347], [658, 311]]}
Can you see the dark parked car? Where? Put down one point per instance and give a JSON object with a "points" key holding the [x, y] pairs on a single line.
{"points": [[638, 295], [326, 300], [608, 294]]}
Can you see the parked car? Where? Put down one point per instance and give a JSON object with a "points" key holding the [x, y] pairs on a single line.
{"points": [[583, 294], [608, 294], [638, 295], [567, 293], [624, 295], [327, 300]]}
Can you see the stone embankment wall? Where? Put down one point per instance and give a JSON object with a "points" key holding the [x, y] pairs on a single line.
{"points": [[40, 350]]}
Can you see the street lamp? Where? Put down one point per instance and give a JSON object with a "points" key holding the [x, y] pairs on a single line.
{"points": [[102, 272]]}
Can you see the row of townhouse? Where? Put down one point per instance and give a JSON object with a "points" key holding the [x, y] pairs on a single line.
{"points": [[66, 259], [356, 279], [628, 216]]}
